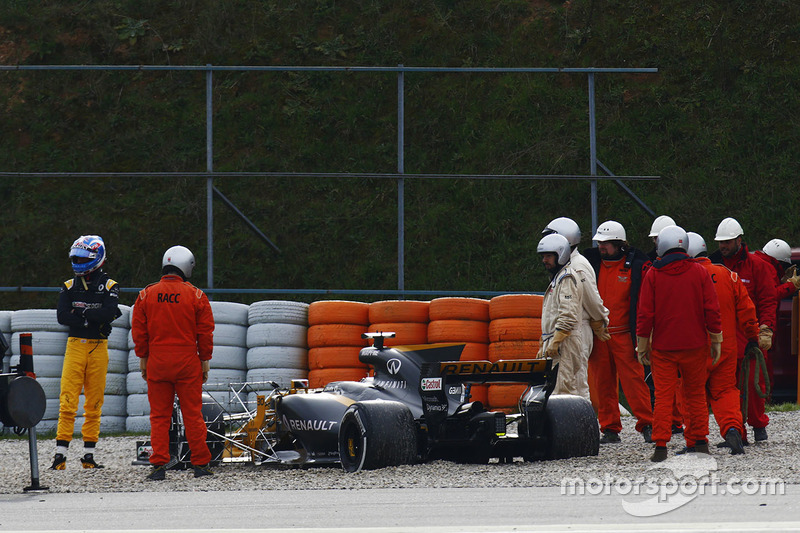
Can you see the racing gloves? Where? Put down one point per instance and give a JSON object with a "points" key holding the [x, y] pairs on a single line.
{"points": [[716, 346], [558, 338], [764, 337], [643, 350], [600, 329]]}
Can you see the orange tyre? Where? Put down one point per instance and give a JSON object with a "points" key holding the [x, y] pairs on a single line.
{"points": [[398, 311], [475, 351], [336, 335], [511, 350], [459, 309], [479, 393], [406, 332], [458, 331], [503, 396], [334, 357], [321, 377], [338, 312], [516, 306], [515, 329]]}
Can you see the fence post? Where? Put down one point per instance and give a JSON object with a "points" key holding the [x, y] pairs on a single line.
{"points": [[210, 179], [401, 200]]}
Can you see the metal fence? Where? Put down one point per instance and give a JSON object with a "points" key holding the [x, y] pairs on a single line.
{"points": [[400, 176]]}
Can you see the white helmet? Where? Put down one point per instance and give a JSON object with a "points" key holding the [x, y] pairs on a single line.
{"points": [[181, 258], [557, 244], [672, 237], [660, 223], [697, 244], [778, 249], [610, 230], [728, 229], [566, 227]]}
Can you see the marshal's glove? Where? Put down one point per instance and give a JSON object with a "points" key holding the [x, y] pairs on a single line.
{"points": [[716, 346], [558, 338], [206, 365], [105, 330], [764, 337], [643, 350], [600, 329], [795, 279]]}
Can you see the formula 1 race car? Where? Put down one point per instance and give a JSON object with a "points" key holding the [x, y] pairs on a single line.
{"points": [[415, 408]]}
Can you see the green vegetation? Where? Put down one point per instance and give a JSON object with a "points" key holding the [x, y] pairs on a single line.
{"points": [[718, 123], [782, 407]]}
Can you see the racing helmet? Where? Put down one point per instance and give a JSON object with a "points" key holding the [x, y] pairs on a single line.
{"points": [[566, 227], [610, 230], [87, 254], [670, 238], [697, 244], [728, 229], [181, 258], [778, 249], [660, 223], [557, 244]]}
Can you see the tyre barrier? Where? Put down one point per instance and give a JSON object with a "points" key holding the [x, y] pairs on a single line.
{"points": [[334, 341], [515, 328], [407, 318]]}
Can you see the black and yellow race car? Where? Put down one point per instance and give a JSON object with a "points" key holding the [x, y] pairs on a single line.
{"points": [[415, 408]]}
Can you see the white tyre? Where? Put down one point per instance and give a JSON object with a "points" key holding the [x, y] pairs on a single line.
{"points": [[138, 424], [133, 362], [282, 376], [5, 321], [277, 334], [228, 401], [44, 366], [135, 384], [277, 357], [52, 406], [230, 335], [219, 379], [46, 426], [230, 313], [137, 405], [51, 386], [280, 311], [118, 340], [229, 357], [49, 342], [27, 320], [131, 344], [118, 361], [124, 320], [116, 384], [113, 405]]}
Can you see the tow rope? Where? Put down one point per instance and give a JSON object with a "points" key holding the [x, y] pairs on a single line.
{"points": [[744, 375]]}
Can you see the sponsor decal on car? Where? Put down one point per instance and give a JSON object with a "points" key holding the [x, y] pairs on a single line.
{"points": [[429, 384], [295, 424]]}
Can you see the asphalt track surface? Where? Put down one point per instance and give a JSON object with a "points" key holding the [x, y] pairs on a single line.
{"points": [[396, 510]]}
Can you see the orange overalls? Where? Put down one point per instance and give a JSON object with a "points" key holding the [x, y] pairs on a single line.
{"points": [[737, 310], [614, 362], [172, 325]]}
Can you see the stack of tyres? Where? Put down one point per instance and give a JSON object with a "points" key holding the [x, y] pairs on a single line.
{"points": [[277, 350], [463, 320], [334, 341], [5, 362], [229, 358], [138, 406], [515, 330], [407, 318], [114, 414], [49, 341]]}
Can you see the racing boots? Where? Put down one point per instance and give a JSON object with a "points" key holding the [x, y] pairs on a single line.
{"points": [[87, 461], [202, 470], [610, 437], [59, 462], [159, 473]]}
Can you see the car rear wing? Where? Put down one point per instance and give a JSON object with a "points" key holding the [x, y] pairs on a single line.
{"points": [[531, 371]]}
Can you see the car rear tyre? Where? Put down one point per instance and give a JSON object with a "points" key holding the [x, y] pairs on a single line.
{"points": [[571, 427], [376, 434]]}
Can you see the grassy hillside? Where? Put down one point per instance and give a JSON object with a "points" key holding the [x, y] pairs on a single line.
{"points": [[718, 123]]}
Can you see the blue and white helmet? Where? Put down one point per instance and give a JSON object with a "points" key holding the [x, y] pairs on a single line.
{"points": [[87, 253]]}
